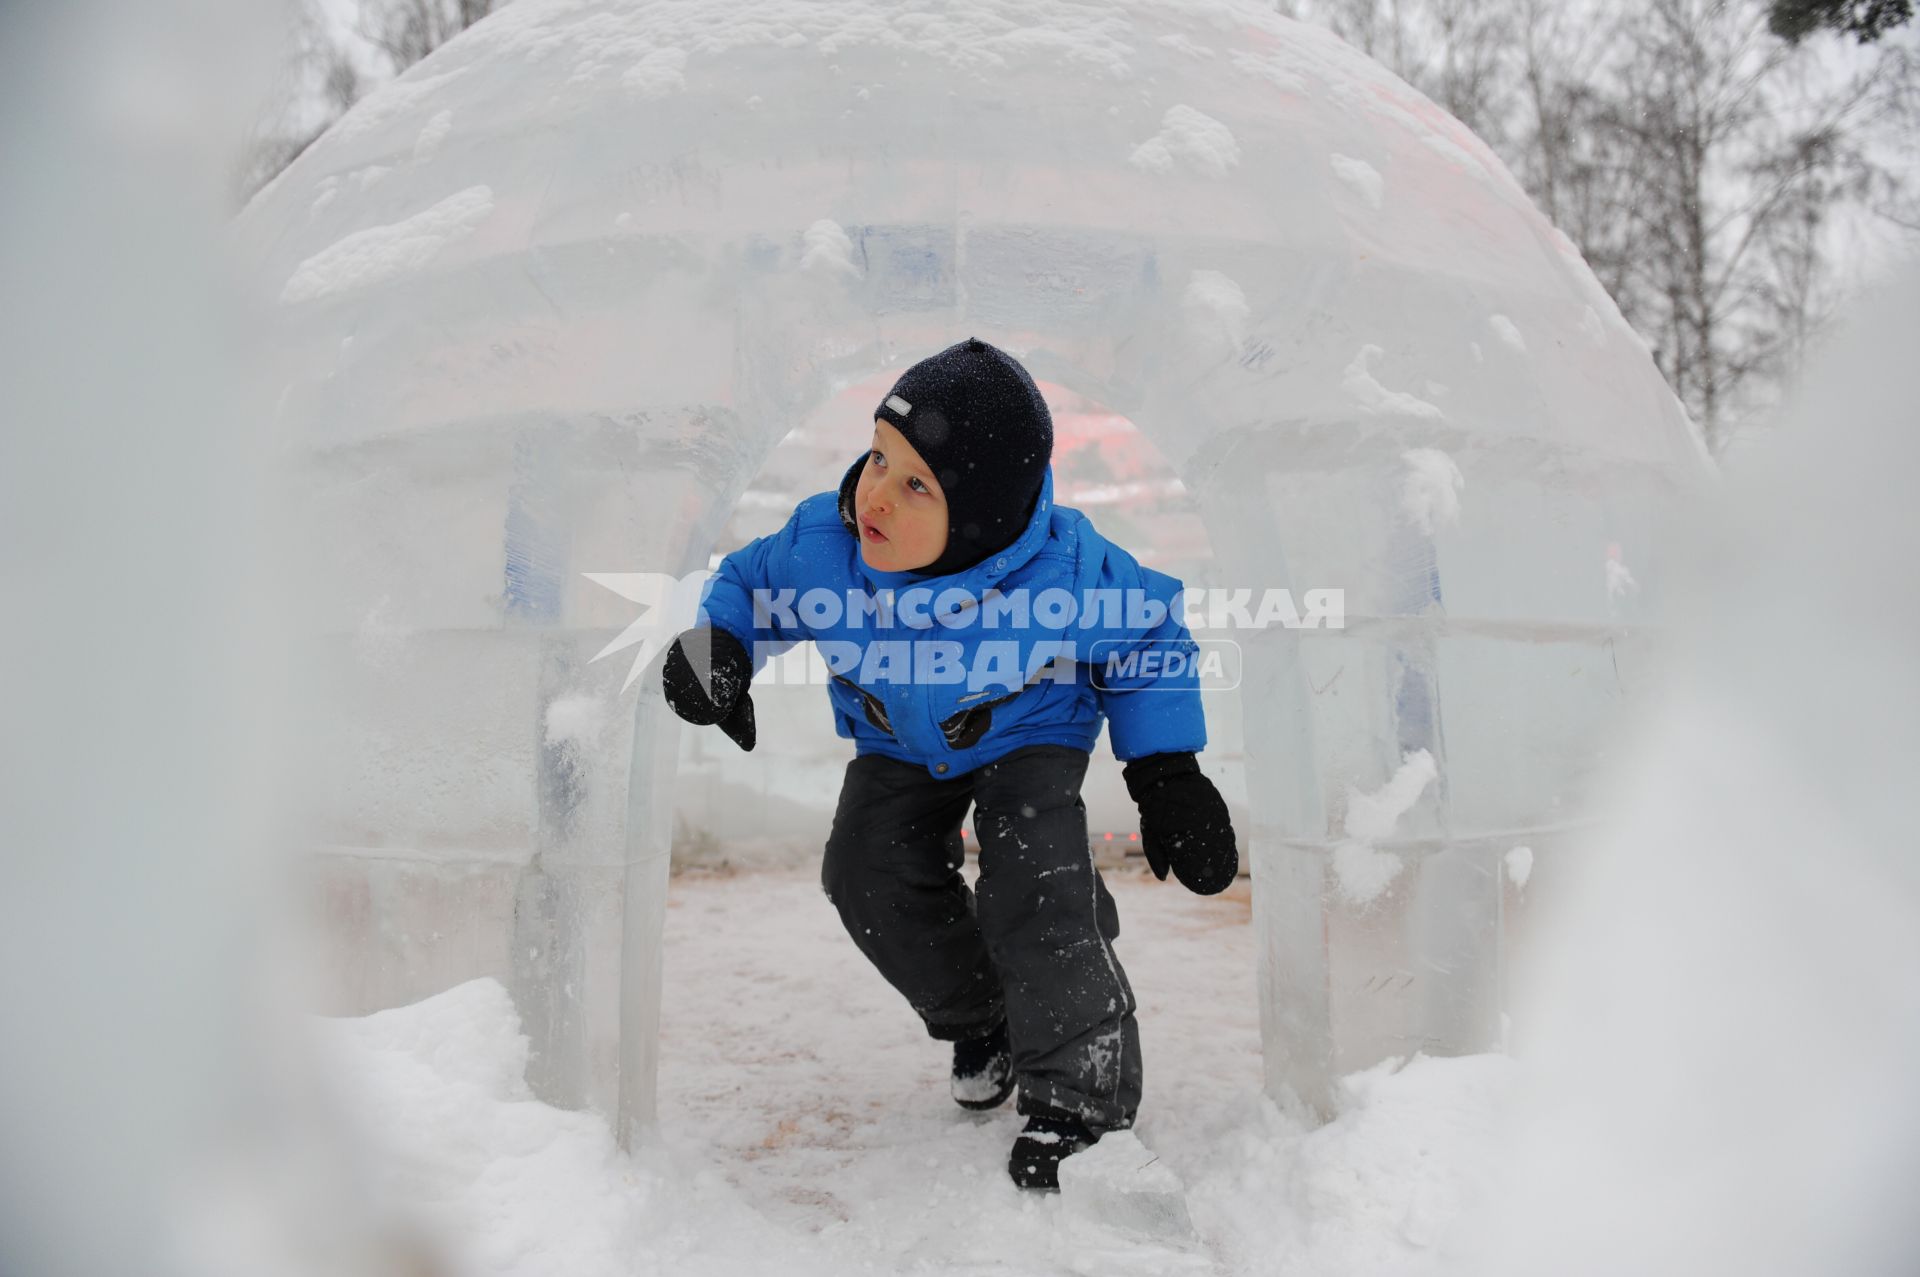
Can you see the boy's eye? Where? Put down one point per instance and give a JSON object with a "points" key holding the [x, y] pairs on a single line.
{"points": [[879, 458]]}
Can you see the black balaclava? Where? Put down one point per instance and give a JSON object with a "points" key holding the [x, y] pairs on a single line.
{"points": [[978, 421]]}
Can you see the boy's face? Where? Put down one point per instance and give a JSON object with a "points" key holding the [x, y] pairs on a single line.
{"points": [[902, 512]]}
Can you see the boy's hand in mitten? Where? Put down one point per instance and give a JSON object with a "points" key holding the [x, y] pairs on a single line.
{"points": [[705, 679], [1183, 822]]}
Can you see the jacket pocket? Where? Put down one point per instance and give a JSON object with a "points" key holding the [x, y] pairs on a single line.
{"points": [[876, 709], [964, 729]]}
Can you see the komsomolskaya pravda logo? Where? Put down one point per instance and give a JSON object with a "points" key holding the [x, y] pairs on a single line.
{"points": [[1036, 621]]}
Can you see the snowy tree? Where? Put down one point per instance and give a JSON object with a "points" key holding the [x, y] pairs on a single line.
{"points": [[336, 52], [408, 30], [1865, 20], [314, 85], [1699, 161], [1705, 167]]}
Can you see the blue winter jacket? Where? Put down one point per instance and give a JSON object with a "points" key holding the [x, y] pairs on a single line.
{"points": [[1006, 685]]}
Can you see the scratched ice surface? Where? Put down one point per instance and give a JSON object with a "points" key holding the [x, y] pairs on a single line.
{"points": [[545, 307]]}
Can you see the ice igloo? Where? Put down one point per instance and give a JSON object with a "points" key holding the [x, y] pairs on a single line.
{"points": [[541, 308]]}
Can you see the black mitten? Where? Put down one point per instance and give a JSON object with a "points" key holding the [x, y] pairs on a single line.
{"points": [[1183, 822], [705, 679]]}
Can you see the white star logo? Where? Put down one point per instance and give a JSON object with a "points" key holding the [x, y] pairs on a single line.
{"points": [[669, 606]]}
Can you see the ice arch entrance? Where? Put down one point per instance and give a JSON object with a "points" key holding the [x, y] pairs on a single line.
{"points": [[537, 309], [659, 756]]}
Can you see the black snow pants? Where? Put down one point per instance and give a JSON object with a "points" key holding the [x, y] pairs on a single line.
{"points": [[1033, 945]]}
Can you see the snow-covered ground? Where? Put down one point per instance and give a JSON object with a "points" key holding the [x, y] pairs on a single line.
{"points": [[805, 1125]]}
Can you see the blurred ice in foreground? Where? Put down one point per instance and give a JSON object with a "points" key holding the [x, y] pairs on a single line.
{"points": [[1721, 1049], [143, 1129]]}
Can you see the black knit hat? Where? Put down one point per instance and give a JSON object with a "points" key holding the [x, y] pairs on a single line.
{"points": [[981, 425]]}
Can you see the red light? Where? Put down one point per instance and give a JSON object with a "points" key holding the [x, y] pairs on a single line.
{"points": [[1108, 837], [1133, 837]]}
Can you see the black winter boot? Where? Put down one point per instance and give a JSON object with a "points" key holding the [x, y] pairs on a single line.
{"points": [[983, 1070], [1049, 1138]]}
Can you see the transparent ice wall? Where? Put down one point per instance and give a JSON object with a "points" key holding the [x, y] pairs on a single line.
{"points": [[541, 308]]}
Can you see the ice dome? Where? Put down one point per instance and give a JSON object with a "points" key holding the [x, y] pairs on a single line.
{"points": [[543, 306]]}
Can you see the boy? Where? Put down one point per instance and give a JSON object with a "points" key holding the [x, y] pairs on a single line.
{"points": [[932, 582]]}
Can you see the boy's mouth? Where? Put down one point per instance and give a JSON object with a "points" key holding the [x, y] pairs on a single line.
{"points": [[871, 533]]}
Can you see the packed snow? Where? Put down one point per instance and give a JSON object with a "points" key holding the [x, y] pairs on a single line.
{"points": [[432, 134], [1217, 308], [382, 253], [828, 248], [1430, 493], [577, 720], [1509, 332], [658, 73], [1363, 177], [805, 1123], [1361, 871], [1372, 397], [1190, 136], [1519, 864]]}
